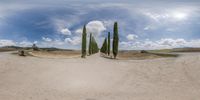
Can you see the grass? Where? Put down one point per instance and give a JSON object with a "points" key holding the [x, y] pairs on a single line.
{"points": [[137, 55], [55, 54]]}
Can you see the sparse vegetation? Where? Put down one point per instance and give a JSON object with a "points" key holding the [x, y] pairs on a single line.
{"points": [[35, 48], [143, 51], [21, 53], [141, 55]]}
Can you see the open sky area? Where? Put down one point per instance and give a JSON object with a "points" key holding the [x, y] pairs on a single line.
{"points": [[143, 24]]}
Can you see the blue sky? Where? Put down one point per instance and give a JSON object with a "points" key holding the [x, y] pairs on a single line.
{"points": [[144, 24]]}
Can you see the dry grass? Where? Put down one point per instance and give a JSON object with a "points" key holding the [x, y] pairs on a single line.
{"points": [[136, 55], [55, 54], [6, 49]]}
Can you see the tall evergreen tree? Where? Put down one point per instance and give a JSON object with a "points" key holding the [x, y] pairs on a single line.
{"points": [[84, 42], [104, 46], [95, 46], [90, 44], [108, 43], [115, 40]]}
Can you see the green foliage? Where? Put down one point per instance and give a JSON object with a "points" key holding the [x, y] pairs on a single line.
{"points": [[84, 42], [104, 46], [90, 44], [93, 46], [115, 40], [35, 48], [108, 43], [21, 53]]}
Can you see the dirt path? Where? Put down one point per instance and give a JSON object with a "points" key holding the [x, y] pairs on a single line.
{"points": [[97, 78]]}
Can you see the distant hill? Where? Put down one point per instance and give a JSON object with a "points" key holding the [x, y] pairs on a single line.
{"points": [[187, 49], [16, 48]]}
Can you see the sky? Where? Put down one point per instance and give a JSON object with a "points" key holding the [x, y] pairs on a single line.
{"points": [[143, 24]]}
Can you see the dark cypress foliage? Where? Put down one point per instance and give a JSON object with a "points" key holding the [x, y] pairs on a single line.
{"points": [[84, 41], [115, 40], [104, 46], [90, 45], [108, 43], [93, 46]]}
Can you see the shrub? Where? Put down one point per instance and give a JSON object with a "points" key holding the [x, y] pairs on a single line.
{"points": [[21, 53]]}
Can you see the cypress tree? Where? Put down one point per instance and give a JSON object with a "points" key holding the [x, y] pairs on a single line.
{"points": [[104, 46], [84, 41], [108, 43], [90, 45], [93, 42], [93, 47], [115, 40]]}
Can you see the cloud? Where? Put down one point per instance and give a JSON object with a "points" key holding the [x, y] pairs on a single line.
{"points": [[74, 40], [172, 42], [131, 37], [25, 43], [95, 27], [7, 43], [79, 31], [65, 31], [166, 43], [151, 20], [46, 39], [61, 26], [54, 43]]}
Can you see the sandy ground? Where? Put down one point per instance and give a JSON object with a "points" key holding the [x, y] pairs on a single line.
{"points": [[97, 78]]}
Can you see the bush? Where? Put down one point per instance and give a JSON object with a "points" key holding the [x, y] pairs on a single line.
{"points": [[143, 51], [21, 53], [35, 48]]}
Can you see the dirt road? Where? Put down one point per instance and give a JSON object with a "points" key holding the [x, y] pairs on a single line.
{"points": [[97, 78]]}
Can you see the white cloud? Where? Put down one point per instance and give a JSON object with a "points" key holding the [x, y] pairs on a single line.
{"points": [[166, 43], [109, 23], [95, 27], [131, 37], [79, 31], [61, 26], [25, 44], [14, 43], [74, 40], [7, 43], [46, 39], [172, 42], [35, 42], [65, 31], [53, 43]]}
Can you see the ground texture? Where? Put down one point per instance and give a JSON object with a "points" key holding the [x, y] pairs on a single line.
{"points": [[97, 78]]}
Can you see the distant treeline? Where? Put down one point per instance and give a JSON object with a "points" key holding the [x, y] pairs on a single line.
{"points": [[93, 47]]}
